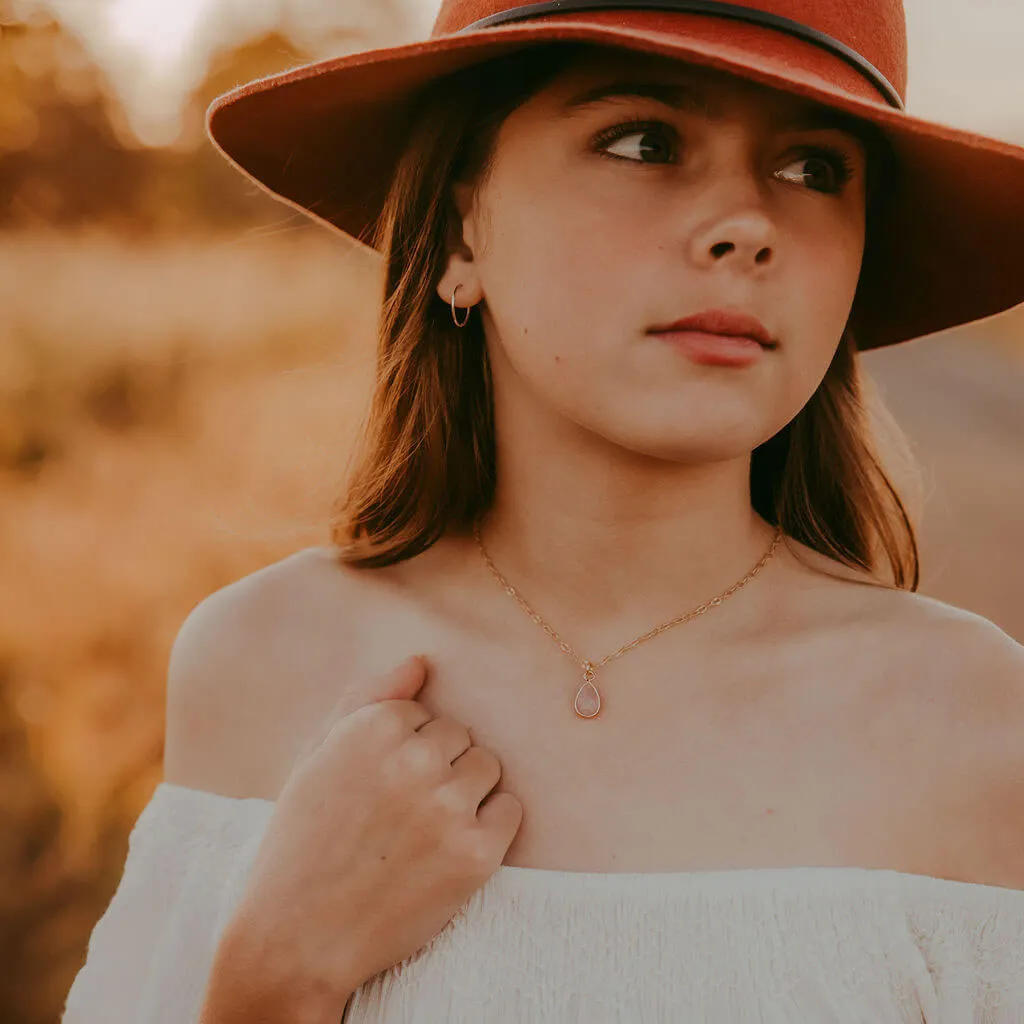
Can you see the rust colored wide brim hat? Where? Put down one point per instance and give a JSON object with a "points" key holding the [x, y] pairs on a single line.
{"points": [[325, 137]]}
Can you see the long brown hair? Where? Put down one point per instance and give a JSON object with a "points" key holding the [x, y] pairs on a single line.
{"points": [[425, 462]]}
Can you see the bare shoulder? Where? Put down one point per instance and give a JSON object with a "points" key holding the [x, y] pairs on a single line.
{"points": [[931, 646], [250, 665], [959, 653], [904, 627], [954, 681], [976, 678], [949, 683]]}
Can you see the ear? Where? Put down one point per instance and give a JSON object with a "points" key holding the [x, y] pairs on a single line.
{"points": [[461, 268]]}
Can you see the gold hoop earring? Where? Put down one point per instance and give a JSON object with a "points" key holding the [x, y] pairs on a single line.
{"points": [[469, 309]]}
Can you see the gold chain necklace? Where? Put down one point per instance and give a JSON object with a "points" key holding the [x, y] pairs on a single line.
{"points": [[588, 701]]}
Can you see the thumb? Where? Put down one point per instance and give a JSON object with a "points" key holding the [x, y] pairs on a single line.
{"points": [[402, 682]]}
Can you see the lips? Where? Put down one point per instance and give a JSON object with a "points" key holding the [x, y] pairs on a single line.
{"points": [[722, 321]]}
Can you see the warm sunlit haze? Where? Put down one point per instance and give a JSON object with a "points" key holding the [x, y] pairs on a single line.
{"points": [[964, 57], [184, 364]]}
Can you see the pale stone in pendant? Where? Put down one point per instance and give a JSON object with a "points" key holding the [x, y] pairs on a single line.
{"points": [[588, 700]]}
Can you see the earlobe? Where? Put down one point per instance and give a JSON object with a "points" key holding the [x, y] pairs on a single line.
{"points": [[463, 279], [460, 271]]}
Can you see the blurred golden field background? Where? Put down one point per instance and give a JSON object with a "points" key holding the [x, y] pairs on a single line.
{"points": [[183, 363]]}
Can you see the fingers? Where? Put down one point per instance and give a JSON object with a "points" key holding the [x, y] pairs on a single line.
{"points": [[500, 816], [450, 735], [476, 773], [400, 683], [395, 687]]}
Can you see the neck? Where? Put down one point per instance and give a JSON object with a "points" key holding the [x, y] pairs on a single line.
{"points": [[598, 549]]}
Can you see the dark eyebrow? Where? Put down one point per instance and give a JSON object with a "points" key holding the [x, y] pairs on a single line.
{"points": [[815, 116], [690, 99], [681, 97]]}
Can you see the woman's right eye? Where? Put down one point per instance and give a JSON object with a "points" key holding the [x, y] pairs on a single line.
{"points": [[638, 141]]}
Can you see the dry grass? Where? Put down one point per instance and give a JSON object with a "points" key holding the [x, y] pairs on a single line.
{"points": [[172, 419], [106, 332], [175, 398]]}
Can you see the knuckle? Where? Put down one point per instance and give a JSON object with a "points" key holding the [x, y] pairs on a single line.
{"points": [[385, 719], [449, 802], [421, 759]]}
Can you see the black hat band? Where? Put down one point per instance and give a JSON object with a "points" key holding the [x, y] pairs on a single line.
{"points": [[714, 7]]}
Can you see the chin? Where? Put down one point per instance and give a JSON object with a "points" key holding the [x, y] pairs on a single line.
{"points": [[699, 442]]}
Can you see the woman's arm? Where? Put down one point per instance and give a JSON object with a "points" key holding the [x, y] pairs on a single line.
{"points": [[250, 985]]}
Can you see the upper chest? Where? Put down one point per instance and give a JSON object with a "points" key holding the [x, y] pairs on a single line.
{"points": [[812, 750], [698, 763]]}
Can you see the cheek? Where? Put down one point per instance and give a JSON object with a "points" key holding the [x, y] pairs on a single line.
{"points": [[820, 294], [556, 258], [831, 270], [555, 272], [824, 266], [839, 256]]}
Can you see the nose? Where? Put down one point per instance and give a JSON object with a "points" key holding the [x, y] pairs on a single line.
{"points": [[736, 223]]}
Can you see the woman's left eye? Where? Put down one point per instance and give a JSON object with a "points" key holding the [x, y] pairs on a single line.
{"points": [[639, 141], [839, 168]]}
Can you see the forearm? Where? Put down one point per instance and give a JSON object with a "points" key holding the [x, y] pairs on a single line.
{"points": [[250, 983]]}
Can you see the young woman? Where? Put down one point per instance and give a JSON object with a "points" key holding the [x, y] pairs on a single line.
{"points": [[613, 699]]}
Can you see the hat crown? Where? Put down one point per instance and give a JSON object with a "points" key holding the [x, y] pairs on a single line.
{"points": [[876, 29]]}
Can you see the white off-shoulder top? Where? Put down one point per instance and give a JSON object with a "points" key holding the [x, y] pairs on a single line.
{"points": [[791, 945]]}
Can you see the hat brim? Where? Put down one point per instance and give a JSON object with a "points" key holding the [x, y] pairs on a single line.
{"points": [[325, 138]]}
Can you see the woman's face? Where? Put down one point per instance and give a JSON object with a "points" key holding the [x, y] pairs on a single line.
{"points": [[602, 220]]}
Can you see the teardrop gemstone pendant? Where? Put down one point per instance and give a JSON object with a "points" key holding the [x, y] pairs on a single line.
{"points": [[588, 700]]}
